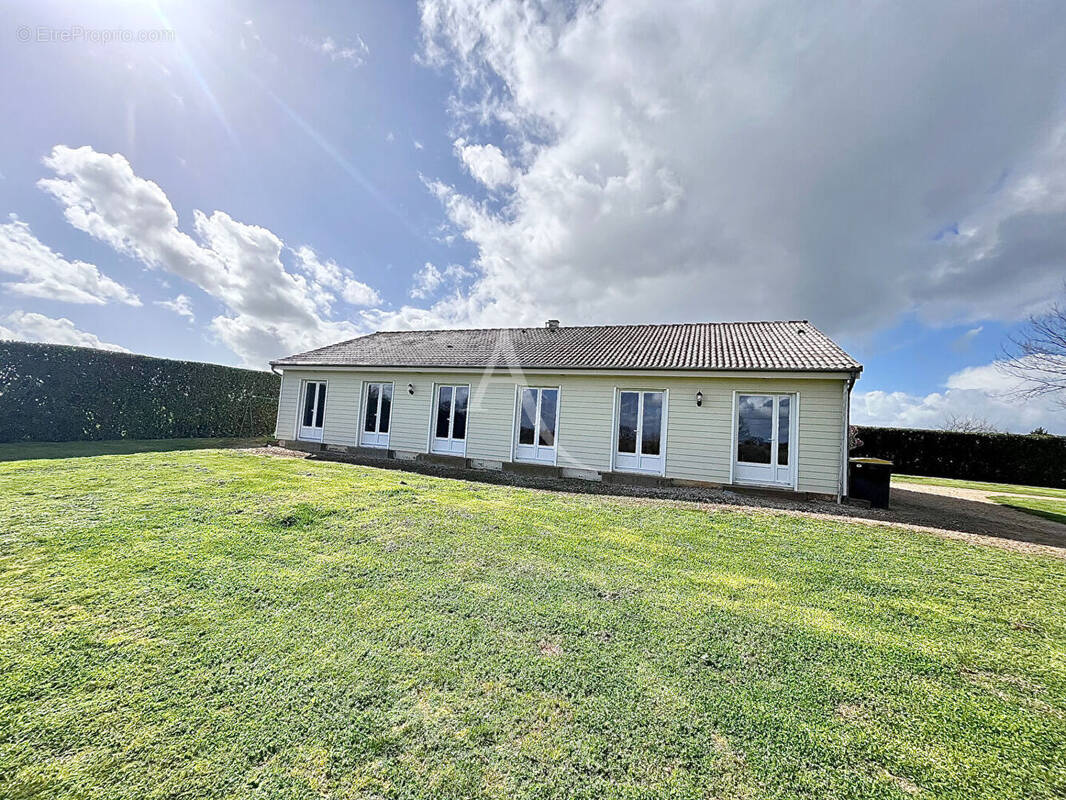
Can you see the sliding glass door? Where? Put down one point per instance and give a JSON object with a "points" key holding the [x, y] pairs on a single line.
{"points": [[640, 441]]}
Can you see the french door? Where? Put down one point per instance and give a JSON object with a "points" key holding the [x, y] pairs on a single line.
{"points": [[449, 425], [765, 436], [314, 409], [640, 441], [377, 414], [538, 416]]}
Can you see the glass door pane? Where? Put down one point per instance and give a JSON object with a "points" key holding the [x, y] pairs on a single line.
{"points": [[373, 396], [783, 419], [549, 403], [628, 405], [527, 423], [320, 409], [309, 404], [462, 396], [444, 411], [386, 408], [651, 423], [755, 424]]}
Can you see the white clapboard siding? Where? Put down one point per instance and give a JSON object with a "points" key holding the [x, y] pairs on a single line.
{"points": [[698, 438]]}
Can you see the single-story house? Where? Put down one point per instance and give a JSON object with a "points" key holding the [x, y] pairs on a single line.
{"points": [[751, 403]]}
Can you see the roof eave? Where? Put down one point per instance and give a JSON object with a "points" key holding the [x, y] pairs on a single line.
{"points": [[856, 369]]}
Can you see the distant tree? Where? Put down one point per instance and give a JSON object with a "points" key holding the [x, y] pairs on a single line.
{"points": [[968, 424], [1037, 356], [1041, 431]]}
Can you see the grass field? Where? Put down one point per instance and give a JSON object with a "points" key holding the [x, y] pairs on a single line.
{"points": [[34, 450], [215, 624], [1055, 510], [1038, 491]]}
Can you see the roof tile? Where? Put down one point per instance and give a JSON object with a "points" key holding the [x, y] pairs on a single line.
{"points": [[792, 345]]}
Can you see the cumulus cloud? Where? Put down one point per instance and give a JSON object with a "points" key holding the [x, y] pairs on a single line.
{"points": [[26, 326], [486, 162], [429, 279], [982, 392], [271, 311], [328, 275], [426, 281], [45, 273], [180, 305], [756, 160]]}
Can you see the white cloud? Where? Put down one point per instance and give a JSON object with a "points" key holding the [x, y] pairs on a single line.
{"points": [[45, 273], [429, 279], [965, 341], [698, 161], [486, 162], [27, 326], [981, 392], [271, 311], [329, 275], [418, 145], [358, 293], [180, 305], [353, 53]]}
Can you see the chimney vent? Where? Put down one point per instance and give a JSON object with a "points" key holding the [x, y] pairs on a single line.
{"points": [[552, 323]]}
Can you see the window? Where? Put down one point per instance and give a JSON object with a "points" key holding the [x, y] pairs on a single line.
{"points": [[538, 413], [314, 408], [449, 427], [640, 439], [377, 414]]}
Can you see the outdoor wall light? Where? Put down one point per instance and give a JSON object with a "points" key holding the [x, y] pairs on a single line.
{"points": [[699, 398], [410, 388]]}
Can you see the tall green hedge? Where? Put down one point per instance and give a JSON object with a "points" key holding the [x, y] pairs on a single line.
{"points": [[999, 457], [58, 393]]}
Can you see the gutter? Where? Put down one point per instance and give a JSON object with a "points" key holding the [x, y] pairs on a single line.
{"points": [[842, 484]]}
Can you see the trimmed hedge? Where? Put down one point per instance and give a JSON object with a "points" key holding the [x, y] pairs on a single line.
{"points": [[997, 457], [59, 393]]}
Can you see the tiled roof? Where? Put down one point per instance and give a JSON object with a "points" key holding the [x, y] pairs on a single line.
{"points": [[795, 345]]}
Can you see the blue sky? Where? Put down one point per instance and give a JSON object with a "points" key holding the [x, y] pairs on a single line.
{"points": [[893, 173]]}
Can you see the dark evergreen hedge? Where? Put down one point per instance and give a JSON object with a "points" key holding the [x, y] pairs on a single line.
{"points": [[999, 457], [58, 393]]}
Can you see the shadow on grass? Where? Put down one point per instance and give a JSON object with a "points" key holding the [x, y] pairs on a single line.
{"points": [[1047, 509], [22, 451]]}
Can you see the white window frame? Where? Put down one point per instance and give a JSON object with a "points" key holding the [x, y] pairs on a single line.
{"points": [[793, 439], [308, 433], [637, 469], [437, 445], [376, 438], [550, 454]]}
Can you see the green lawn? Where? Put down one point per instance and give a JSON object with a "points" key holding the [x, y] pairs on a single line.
{"points": [[1039, 491], [216, 624], [1054, 510], [21, 451]]}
